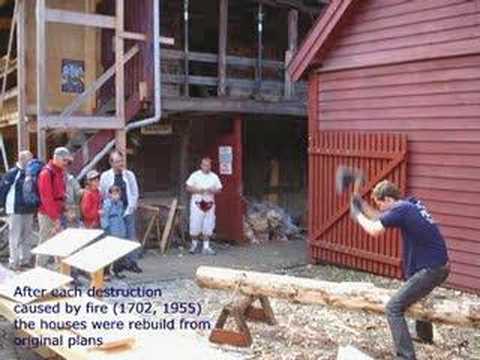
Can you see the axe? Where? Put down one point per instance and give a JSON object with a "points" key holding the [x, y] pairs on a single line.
{"points": [[346, 176]]}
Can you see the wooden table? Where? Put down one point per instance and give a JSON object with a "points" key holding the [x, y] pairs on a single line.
{"points": [[96, 257], [66, 243]]}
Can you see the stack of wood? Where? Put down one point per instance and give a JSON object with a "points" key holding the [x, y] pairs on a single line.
{"points": [[267, 222]]}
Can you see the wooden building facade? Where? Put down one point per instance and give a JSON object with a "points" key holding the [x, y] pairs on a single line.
{"points": [[182, 78], [405, 69]]}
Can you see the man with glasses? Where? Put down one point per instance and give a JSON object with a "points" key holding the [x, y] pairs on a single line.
{"points": [[52, 192], [425, 257], [127, 182]]}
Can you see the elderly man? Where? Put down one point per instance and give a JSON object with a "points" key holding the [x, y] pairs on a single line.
{"points": [[203, 184], [20, 214], [52, 192], [127, 182]]}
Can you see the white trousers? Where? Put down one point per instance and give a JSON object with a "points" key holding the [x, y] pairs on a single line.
{"points": [[201, 222], [20, 238]]}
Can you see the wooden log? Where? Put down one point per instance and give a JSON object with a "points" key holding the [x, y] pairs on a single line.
{"points": [[351, 296]]}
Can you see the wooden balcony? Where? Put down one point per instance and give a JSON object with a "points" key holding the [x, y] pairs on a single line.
{"points": [[197, 88]]}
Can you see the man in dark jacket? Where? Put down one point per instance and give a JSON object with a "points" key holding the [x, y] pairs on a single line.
{"points": [[20, 216]]}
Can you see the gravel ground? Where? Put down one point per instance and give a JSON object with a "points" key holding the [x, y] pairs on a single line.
{"points": [[315, 332], [303, 332]]}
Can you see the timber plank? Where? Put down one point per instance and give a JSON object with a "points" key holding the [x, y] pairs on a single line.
{"points": [[67, 242], [101, 254], [37, 278]]}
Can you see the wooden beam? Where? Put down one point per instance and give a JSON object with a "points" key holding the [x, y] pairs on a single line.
{"points": [[91, 54], [79, 18], [258, 68], [347, 295], [128, 35], [80, 122], [292, 48], [23, 137], [222, 48], [120, 135], [42, 89], [225, 105], [296, 4], [7, 57], [97, 84], [239, 61], [167, 40], [186, 63]]}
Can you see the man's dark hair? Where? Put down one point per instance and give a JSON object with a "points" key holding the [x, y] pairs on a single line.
{"points": [[206, 158], [386, 189]]}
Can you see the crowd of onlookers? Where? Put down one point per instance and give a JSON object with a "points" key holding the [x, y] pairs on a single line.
{"points": [[108, 201]]}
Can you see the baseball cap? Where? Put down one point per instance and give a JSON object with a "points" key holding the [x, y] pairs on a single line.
{"points": [[62, 152], [92, 174]]}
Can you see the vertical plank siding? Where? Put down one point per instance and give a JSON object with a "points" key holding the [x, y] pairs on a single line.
{"points": [[334, 238]]}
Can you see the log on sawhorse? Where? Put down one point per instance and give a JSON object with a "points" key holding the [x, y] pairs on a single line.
{"points": [[349, 296], [241, 310]]}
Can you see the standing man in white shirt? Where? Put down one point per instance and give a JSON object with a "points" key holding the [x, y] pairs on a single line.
{"points": [[20, 215], [127, 182], [203, 184]]}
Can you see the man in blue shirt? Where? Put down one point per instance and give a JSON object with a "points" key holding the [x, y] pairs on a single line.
{"points": [[425, 258]]}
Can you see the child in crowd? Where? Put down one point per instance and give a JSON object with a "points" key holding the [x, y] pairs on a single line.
{"points": [[91, 204], [113, 222]]}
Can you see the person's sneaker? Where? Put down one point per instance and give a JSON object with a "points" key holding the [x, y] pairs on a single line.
{"points": [[13, 267], [208, 251], [193, 249], [119, 276], [135, 268]]}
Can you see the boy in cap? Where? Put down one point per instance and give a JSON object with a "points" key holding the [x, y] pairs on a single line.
{"points": [[91, 204]]}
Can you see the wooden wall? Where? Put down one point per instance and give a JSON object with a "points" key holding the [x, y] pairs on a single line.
{"points": [[386, 31], [434, 101], [63, 42]]}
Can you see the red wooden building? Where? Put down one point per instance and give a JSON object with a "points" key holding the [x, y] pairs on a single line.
{"points": [[394, 89]]}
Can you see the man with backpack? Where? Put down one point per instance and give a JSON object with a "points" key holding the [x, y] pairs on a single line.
{"points": [[20, 215], [51, 190]]}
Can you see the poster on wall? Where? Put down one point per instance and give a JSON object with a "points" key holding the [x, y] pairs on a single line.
{"points": [[73, 76], [225, 160]]}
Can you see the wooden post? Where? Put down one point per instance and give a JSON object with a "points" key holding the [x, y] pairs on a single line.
{"points": [[222, 48], [42, 89], [23, 136], [90, 54], [7, 57], [292, 48], [120, 135], [258, 68], [184, 143], [186, 85]]}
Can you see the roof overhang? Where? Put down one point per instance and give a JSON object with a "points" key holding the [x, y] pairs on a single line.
{"points": [[305, 58]]}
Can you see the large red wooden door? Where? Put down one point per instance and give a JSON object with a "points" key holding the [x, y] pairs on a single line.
{"points": [[333, 237], [226, 154]]}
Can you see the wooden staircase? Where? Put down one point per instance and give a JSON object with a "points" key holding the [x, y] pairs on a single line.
{"points": [[139, 73]]}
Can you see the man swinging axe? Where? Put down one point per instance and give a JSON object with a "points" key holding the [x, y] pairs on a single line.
{"points": [[425, 257]]}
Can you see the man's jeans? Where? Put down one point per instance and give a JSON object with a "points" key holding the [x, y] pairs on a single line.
{"points": [[132, 235], [416, 288]]}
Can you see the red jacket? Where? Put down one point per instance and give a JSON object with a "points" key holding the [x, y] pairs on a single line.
{"points": [[51, 188], [90, 206]]}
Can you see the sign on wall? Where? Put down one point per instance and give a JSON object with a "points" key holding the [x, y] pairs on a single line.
{"points": [[73, 76], [225, 160]]}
